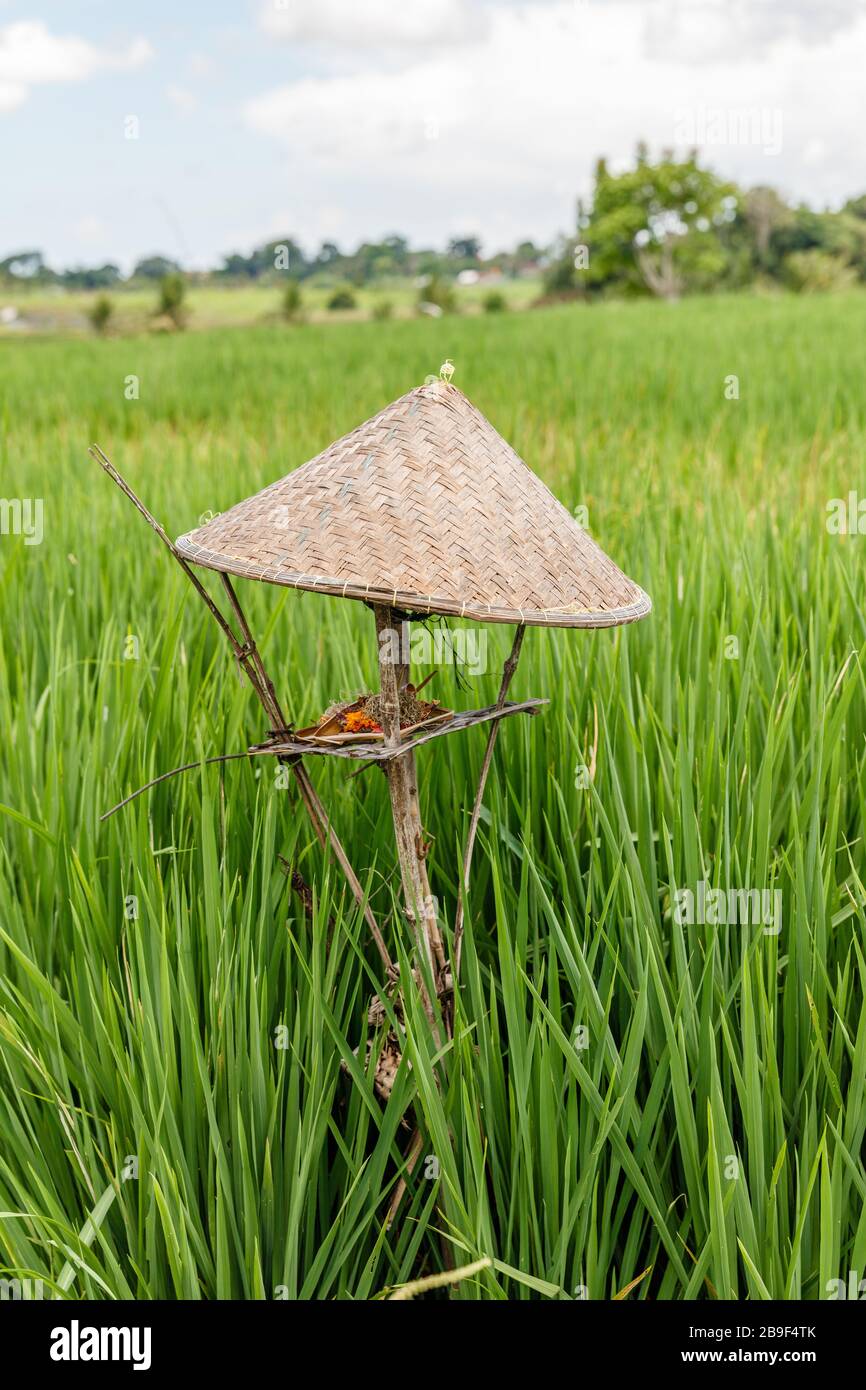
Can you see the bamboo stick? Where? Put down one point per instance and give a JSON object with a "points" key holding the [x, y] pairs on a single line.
{"points": [[250, 661], [403, 790]]}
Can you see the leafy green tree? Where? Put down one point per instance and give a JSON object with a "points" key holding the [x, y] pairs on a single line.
{"points": [[292, 303], [465, 248], [26, 267], [765, 213], [839, 236], [845, 238], [397, 248], [95, 277], [439, 293], [816, 271], [280, 257], [655, 227], [343, 297], [154, 268], [172, 296], [561, 279], [100, 313]]}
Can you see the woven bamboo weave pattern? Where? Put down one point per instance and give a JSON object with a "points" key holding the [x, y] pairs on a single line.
{"points": [[427, 508]]}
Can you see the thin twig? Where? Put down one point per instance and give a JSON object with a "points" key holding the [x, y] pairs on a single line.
{"points": [[246, 653], [265, 680], [108, 466], [163, 777], [507, 672]]}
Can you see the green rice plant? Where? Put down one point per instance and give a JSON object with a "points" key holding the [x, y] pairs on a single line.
{"points": [[633, 1101]]}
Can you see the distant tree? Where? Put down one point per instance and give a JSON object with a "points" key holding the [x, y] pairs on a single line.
{"points": [[654, 226], [838, 235], [236, 266], [527, 252], [368, 261], [172, 296], [329, 253], [494, 302], [804, 231], [154, 268], [100, 313], [764, 213], [95, 277], [561, 279], [438, 293], [845, 238], [815, 271], [342, 298], [25, 265], [382, 309], [373, 260], [282, 256], [397, 248], [429, 262], [291, 301], [467, 248]]}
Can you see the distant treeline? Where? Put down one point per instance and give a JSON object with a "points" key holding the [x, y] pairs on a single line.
{"points": [[666, 227], [273, 261]]}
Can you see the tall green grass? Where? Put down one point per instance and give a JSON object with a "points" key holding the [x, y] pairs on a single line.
{"points": [[184, 1108]]}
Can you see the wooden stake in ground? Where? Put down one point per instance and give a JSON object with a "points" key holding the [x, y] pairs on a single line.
{"points": [[392, 635]]}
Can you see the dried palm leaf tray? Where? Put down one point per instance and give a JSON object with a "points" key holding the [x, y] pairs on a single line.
{"points": [[357, 721], [370, 746]]}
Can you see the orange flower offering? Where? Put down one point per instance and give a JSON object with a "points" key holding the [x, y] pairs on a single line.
{"points": [[357, 722]]}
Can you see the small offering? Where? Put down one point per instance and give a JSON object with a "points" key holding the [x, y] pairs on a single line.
{"points": [[359, 720]]}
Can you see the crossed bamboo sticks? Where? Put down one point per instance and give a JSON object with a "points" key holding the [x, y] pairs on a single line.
{"points": [[403, 788], [399, 769]]}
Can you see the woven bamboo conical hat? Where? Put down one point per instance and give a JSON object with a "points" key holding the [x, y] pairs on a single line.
{"points": [[426, 508]]}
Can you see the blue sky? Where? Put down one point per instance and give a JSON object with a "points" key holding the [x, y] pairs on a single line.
{"points": [[345, 119]]}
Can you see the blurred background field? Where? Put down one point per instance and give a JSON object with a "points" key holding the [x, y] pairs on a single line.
{"points": [[708, 1139], [46, 310]]}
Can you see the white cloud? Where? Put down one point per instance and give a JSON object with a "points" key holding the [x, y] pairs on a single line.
{"points": [[30, 54], [373, 23], [511, 124], [365, 116], [814, 151], [11, 95], [719, 31], [181, 98]]}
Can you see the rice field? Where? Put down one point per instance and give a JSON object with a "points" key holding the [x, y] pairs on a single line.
{"points": [[47, 310], [641, 1097]]}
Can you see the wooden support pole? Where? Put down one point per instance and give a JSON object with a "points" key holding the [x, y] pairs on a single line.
{"points": [[392, 633]]}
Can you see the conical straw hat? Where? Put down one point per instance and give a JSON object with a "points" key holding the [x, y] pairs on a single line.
{"points": [[426, 508]]}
